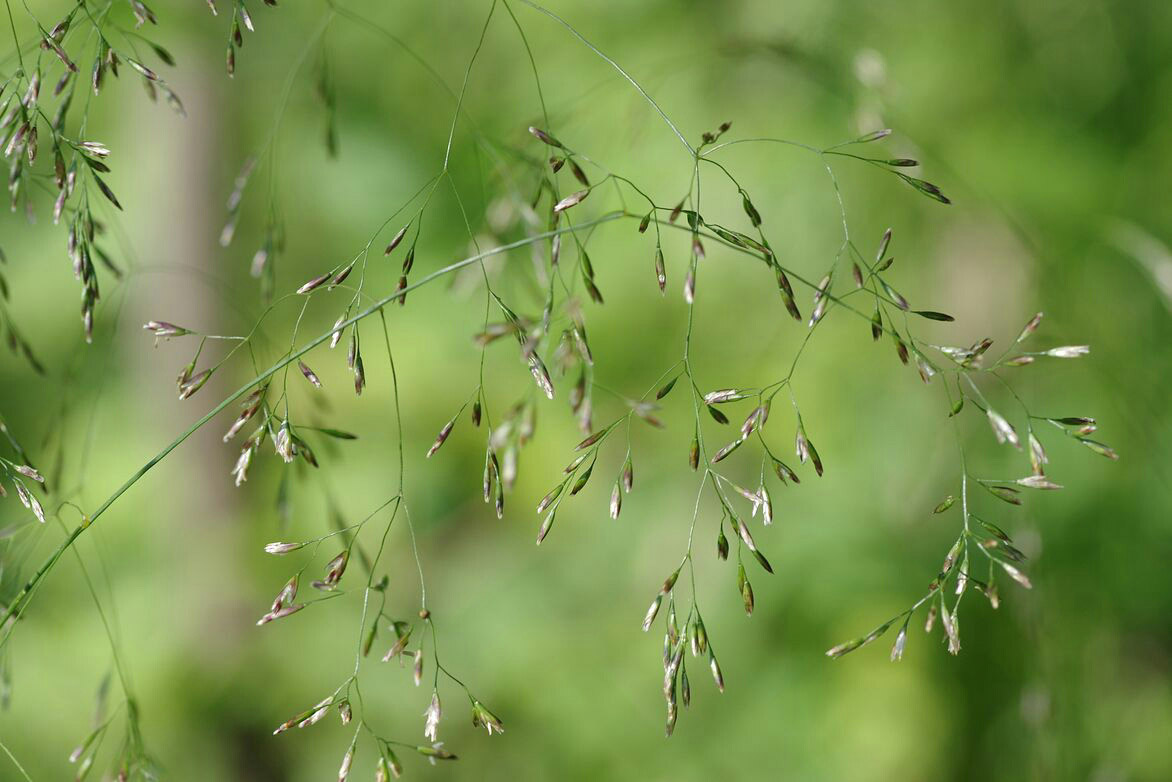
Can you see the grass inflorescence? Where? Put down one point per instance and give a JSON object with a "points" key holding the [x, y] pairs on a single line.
{"points": [[568, 196]]}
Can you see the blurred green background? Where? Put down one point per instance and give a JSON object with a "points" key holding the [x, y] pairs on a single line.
{"points": [[1045, 121]]}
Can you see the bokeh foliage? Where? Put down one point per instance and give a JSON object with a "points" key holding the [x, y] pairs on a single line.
{"points": [[1044, 121]]}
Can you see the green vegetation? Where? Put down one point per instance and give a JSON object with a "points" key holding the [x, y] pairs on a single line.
{"points": [[680, 231]]}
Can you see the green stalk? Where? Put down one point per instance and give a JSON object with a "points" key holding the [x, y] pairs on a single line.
{"points": [[21, 599]]}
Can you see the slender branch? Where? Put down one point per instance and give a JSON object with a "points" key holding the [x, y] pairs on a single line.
{"points": [[19, 602]]}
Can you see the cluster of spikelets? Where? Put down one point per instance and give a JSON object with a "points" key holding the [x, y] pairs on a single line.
{"points": [[78, 169]]}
